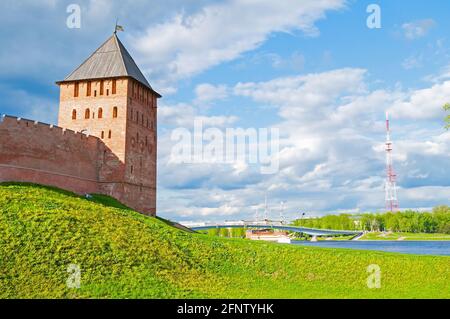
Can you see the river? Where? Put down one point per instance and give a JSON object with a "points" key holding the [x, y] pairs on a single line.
{"points": [[405, 247]]}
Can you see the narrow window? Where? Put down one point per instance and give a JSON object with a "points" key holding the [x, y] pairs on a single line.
{"points": [[88, 89], [131, 169], [95, 93], [137, 138], [147, 122], [114, 86], [74, 114], [87, 114], [131, 114], [142, 119], [109, 134], [115, 112], [103, 134], [137, 116], [76, 89], [107, 92], [102, 87], [100, 113], [146, 141]]}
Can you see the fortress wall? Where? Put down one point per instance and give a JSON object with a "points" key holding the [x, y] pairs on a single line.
{"points": [[139, 198], [40, 153], [44, 154]]}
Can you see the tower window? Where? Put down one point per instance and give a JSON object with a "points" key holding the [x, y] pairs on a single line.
{"points": [[107, 92], [131, 169], [74, 114], [95, 92], [76, 89], [115, 112], [102, 87], [88, 89], [87, 114], [100, 113], [137, 116], [109, 134], [142, 119], [114, 86], [103, 134]]}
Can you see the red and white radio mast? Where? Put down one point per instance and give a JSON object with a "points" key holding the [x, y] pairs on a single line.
{"points": [[391, 178]]}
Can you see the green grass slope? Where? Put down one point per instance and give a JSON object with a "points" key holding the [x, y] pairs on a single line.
{"points": [[123, 254]]}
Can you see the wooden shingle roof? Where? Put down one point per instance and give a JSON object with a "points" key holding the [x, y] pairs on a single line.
{"points": [[110, 60]]}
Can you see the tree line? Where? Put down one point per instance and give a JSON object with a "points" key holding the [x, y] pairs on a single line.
{"points": [[436, 221]]}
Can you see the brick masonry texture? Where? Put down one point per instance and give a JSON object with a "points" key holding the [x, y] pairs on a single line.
{"points": [[104, 143]]}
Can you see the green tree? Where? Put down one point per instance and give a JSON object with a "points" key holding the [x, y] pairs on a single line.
{"points": [[447, 118]]}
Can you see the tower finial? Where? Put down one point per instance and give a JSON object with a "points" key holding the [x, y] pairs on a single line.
{"points": [[118, 27]]}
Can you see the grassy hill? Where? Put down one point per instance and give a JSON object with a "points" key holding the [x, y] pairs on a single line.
{"points": [[123, 254]]}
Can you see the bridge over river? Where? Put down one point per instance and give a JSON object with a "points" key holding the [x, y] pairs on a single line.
{"points": [[274, 225]]}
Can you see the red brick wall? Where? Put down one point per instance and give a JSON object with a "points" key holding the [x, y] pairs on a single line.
{"points": [[40, 153]]}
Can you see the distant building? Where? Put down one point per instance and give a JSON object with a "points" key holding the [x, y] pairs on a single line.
{"points": [[105, 141], [267, 235]]}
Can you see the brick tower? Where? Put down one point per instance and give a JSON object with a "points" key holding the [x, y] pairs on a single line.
{"points": [[108, 97]]}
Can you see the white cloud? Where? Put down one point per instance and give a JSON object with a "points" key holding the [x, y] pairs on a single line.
{"points": [[424, 104], [417, 29], [183, 115], [412, 62], [307, 96], [207, 92], [189, 44]]}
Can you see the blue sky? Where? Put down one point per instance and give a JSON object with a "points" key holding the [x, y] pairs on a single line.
{"points": [[311, 68]]}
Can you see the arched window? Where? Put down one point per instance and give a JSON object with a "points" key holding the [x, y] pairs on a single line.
{"points": [[114, 86], [87, 114], [109, 134], [115, 112], [100, 113], [88, 89], [74, 114], [76, 89]]}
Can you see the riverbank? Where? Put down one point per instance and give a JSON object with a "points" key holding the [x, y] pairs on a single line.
{"points": [[426, 247], [404, 236]]}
